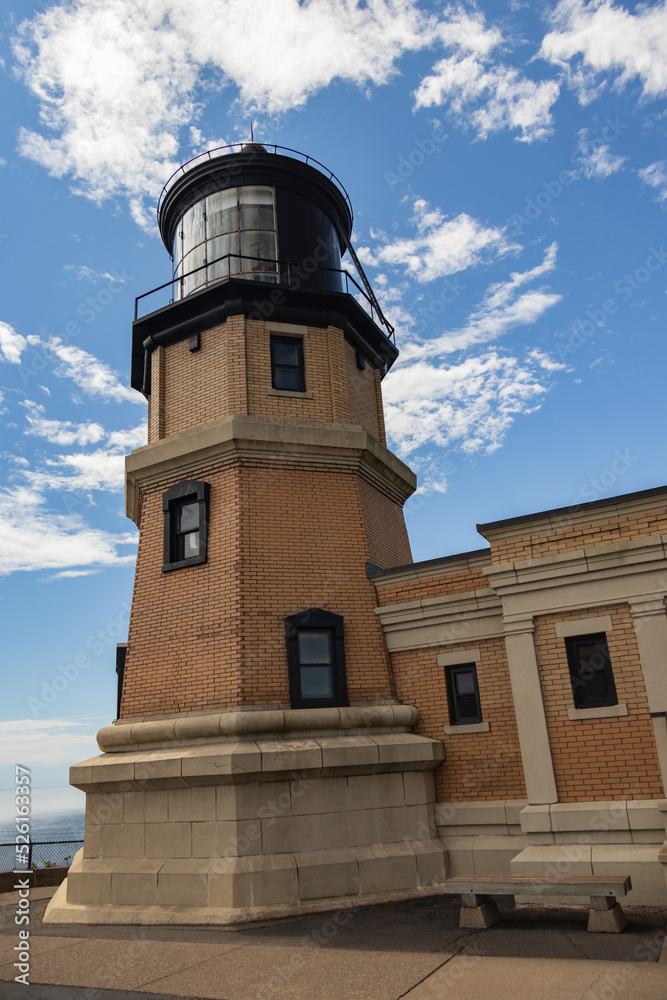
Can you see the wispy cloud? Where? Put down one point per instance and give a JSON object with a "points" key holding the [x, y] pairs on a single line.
{"points": [[596, 160], [61, 432], [48, 742], [12, 344], [470, 405], [119, 83], [84, 273], [34, 537], [505, 305], [655, 176], [600, 37], [96, 378], [442, 246], [480, 92]]}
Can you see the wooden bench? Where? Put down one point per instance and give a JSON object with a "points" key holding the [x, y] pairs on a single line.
{"points": [[478, 910]]}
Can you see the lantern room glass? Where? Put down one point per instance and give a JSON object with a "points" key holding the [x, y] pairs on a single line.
{"points": [[230, 233]]}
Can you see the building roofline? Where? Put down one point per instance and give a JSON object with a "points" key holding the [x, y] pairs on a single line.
{"points": [[572, 509], [374, 572]]}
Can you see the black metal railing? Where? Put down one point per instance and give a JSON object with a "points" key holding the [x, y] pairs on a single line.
{"points": [[285, 272], [41, 854], [238, 147]]}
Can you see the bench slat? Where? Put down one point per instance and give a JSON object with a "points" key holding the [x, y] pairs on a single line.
{"points": [[517, 885]]}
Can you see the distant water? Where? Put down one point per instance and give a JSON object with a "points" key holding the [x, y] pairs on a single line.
{"points": [[67, 826]]}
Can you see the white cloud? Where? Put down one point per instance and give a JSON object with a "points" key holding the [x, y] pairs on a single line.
{"points": [[61, 432], [655, 176], [96, 470], [595, 159], [95, 377], [84, 273], [470, 405], [485, 95], [442, 246], [34, 537], [12, 344], [47, 742], [601, 37], [118, 81], [505, 305]]}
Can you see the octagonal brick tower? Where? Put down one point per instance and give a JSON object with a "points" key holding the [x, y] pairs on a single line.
{"points": [[261, 763]]}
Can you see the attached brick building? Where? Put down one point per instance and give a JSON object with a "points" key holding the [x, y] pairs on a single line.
{"points": [[292, 680]]}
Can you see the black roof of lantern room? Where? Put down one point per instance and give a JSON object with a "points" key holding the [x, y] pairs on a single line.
{"points": [[286, 300]]}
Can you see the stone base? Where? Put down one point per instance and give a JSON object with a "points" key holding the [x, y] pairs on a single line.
{"points": [[485, 915], [611, 921], [238, 830]]}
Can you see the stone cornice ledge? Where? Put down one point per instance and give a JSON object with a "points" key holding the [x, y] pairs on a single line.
{"points": [[441, 621], [234, 726], [274, 438], [622, 559]]}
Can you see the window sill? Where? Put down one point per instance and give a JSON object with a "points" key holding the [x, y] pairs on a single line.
{"points": [[288, 392], [605, 712], [473, 727], [183, 563]]}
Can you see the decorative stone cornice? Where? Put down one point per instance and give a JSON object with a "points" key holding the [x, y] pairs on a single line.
{"points": [[231, 726], [271, 439], [442, 621]]}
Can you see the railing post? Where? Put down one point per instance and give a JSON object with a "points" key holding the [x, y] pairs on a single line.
{"points": [[29, 854]]}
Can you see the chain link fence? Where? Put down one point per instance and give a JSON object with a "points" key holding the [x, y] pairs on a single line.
{"points": [[41, 854]]}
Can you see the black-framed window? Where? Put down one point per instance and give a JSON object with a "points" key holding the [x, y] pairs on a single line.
{"points": [[591, 673], [287, 367], [316, 659], [185, 509], [463, 691]]}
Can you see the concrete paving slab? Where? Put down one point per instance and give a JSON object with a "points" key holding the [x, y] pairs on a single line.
{"points": [[122, 965], [471, 978], [268, 972]]}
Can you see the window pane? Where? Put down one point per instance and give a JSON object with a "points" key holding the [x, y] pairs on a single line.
{"points": [[464, 683], [193, 226], [316, 682], [219, 247], [194, 262], [188, 517], [258, 252], [221, 212], [314, 647], [257, 208], [286, 354], [190, 544], [287, 379]]}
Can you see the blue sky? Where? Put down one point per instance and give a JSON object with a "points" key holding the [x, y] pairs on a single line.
{"points": [[507, 167]]}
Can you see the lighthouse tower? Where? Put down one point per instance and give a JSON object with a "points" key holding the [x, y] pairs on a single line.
{"points": [[262, 763]]}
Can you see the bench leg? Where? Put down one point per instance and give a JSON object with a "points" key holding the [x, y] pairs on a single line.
{"points": [[477, 911], [606, 915]]}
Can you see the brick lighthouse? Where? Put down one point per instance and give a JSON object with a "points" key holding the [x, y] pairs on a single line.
{"points": [[262, 763]]}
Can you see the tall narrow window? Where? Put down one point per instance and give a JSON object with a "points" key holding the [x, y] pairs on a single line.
{"points": [[464, 704], [316, 659], [287, 367], [591, 674], [185, 509]]}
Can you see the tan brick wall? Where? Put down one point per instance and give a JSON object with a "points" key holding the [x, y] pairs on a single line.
{"points": [[535, 544], [437, 586], [282, 538], [598, 759], [231, 373], [362, 394], [184, 650], [477, 766], [388, 543]]}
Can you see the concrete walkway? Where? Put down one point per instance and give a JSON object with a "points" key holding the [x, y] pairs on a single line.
{"points": [[412, 950]]}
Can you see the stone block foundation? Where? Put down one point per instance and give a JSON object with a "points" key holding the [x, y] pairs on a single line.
{"points": [[235, 830]]}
